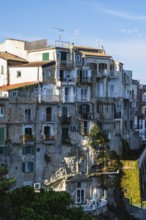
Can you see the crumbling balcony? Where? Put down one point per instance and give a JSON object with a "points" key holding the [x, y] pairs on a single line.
{"points": [[65, 120], [28, 138], [86, 116], [49, 139]]}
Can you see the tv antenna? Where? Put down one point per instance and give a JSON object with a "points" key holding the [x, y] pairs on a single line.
{"points": [[60, 30]]}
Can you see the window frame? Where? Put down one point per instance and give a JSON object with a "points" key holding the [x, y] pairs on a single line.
{"points": [[18, 73], [2, 111]]}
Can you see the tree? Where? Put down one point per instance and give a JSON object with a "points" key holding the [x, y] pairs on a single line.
{"points": [[24, 204], [5, 186]]}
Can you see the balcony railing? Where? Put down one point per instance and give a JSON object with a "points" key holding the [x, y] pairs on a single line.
{"points": [[64, 64], [70, 81], [67, 98], [48, 137], [65, 120], [86, 116], [84, 80], [117, 115], [28, 137], [84, 98], [50, 98]]}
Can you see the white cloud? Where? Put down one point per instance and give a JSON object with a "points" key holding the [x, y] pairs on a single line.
{"points": [[129, 31], [124, 15]]}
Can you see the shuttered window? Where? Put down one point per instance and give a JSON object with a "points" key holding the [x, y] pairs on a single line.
{"points": [[28, 150], [27, 167], [1, 135], [45, 57], [5, 151]]}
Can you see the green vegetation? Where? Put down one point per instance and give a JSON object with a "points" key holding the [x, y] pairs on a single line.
{"points": [[130, 181], [25, 204], [106, 160]]}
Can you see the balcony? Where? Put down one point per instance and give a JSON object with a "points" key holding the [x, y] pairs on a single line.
{"points": [[46, 98], [86, 116], [84, 80], [65, 120], [64, 64], [117, 115], [28, 138], [112, 74], [67, 98], [49, 139], [85, 98], [68, 82], [101, 73]]}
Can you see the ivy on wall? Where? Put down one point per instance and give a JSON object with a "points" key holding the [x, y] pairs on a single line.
{"points": [[130, 181]]}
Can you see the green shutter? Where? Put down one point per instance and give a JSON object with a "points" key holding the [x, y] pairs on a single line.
{"points": [[45, 56], [6, 151], [23, 150], [23, 167], [1, 135], [31, 166], [33, 149]]}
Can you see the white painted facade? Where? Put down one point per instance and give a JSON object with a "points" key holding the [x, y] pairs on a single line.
{"points": [[3, 72], [25, 74]]}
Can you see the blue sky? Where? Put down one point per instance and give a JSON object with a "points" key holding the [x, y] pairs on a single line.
{"points": [[118, 26]]}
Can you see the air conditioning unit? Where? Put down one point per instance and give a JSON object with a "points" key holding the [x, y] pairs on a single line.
{"points": [[74, 128], [37, 185]]}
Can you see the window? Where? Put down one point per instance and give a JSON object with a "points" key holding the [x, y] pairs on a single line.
{"points": [[83, 94], [14, 93], [47, 130], [48, 114], [27, 115], [27, 167], [65, 136], [78, 58], [18, 74], [1, 111], [80, 195], [1, 135], [4, 151], [1, 150], [28, 131], [28, 150], [45, 56], [99, 108], [63, 56]]}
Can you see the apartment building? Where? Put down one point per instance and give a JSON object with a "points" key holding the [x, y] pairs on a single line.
{"points": [[55, 96]]}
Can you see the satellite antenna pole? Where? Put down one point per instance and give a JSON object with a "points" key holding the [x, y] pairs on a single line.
{"points": [[60, 30]]}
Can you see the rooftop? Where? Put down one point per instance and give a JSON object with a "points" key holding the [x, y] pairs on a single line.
{"points": [[36, 64], [18, 85], [9, 56]]}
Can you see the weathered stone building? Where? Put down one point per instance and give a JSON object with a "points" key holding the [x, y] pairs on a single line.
{"points": [[56, 95]]}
